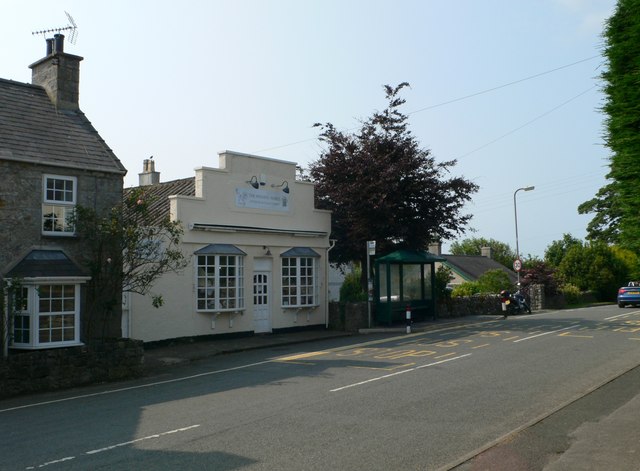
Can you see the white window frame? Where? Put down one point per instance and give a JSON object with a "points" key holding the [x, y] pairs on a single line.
{"points": [[64, 205], [296, 289], [209, 277], [34, 315]]}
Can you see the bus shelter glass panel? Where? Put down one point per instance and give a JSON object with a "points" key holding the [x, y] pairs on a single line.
{"points": [[412, 282]]}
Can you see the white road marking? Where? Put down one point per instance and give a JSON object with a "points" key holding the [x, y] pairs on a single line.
{"points": [[399, 373], [130, 388], [545, 333], [621, 315], [117, 445], [61, 460], [137, 440], [208, 373]]}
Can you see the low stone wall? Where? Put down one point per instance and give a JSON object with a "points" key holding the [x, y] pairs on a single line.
{"points": [[469, 306], [25, 372], [348, 317], [351, 317]]}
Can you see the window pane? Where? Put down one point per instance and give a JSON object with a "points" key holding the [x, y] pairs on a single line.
{"points": [[220, 274], [21, 329]]}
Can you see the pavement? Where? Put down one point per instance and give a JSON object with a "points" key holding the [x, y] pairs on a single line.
{"points": [[604, 438]]}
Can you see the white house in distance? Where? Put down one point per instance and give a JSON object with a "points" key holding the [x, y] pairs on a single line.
{"points": [[257, 251]]}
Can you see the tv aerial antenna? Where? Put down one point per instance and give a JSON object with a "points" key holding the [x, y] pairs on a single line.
{"points": [[70, 27]]}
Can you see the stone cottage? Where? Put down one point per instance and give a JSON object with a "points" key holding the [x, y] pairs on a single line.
{"points": [[51, 160]]}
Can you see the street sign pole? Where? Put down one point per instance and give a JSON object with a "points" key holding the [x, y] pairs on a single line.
{"points": [[371, 250]]}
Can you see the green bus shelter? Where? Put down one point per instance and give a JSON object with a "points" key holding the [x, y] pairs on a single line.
{"points": [[405, 278]]}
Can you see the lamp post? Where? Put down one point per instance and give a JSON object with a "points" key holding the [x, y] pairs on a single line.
{"points": [[515, 212]]}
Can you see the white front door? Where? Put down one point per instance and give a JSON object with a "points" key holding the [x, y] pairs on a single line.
{"points": [[261, 301]]}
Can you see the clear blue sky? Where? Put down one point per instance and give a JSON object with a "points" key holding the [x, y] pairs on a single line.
{"points": [[184, 80]]}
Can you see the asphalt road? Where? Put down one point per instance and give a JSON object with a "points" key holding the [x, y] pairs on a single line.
{"points": [[423, 401]]}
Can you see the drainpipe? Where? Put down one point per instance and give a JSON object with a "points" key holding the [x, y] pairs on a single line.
{"points": [[326, 283]]}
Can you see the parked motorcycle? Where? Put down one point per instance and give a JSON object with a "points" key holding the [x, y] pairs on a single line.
{"points": [[513, 303]]}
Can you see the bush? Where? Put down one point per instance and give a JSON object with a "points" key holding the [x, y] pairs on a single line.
{"points": [[465, 289], [351, 290], [494, 281], [571, 293], [443, 276]]}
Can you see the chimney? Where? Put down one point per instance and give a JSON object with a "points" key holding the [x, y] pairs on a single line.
{"points": [[435, 248], [59, 74], [486, 252], [149, 176]]}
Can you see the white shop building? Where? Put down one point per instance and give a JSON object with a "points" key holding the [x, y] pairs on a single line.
{"points": [[257, 251]]}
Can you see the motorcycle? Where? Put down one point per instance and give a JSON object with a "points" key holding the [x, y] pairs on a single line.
{"points": [[514, 303]]}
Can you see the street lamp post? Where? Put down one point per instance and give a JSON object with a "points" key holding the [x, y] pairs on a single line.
{"points": [[515, 212]]}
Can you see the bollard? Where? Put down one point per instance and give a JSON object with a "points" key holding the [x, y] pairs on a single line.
{"points": [[408, 319]]}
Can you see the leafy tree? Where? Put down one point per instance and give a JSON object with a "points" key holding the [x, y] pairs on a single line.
{"points": [[630, 260], [351, 290], [493, 281], [604, 227], [380, 185], [126, 251], [501, 252], [618, 219], [594, 267], [558, 249], [444, 275], [12, 302]]}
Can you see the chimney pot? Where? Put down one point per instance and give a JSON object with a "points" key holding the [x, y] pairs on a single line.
{"points": [[435, 248], [149, 176], [487, 252], [50, 46], [59, 39]]}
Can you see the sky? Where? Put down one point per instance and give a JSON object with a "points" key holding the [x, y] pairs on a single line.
{"points": [[509, 88]]}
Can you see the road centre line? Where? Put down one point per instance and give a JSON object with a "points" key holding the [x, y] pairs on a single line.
{"points": [[111, 447], [236, 368], [622, 315], [545, 333], [398, 373], [137, 440], [48, 463], [139, 386]]}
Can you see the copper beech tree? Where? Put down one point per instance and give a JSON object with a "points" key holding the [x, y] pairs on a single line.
{"points": [[381, 185]]}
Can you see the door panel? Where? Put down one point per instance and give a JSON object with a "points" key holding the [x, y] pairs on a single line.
{"points": [[261, 302]]}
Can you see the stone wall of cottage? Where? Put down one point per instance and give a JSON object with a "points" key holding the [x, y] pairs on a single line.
{"points": [[29, 372], [21, 200]]}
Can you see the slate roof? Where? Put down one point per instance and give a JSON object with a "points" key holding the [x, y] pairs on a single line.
{"points": [[45, 263], [471, 267], [159, 193], [33, 131]]}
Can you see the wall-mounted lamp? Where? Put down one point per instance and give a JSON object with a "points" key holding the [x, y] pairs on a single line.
{"points": [[284, 185], [267, 250], [254, 182]]}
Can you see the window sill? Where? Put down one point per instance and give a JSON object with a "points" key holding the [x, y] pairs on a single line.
{"points": [[46, 347], [220, 311], [57, 235]]}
